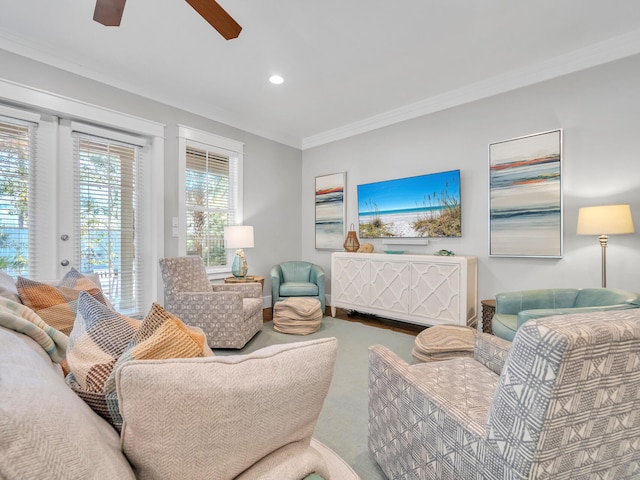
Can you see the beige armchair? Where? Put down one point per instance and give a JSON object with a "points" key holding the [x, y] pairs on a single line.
{"points": [[229, 314]]}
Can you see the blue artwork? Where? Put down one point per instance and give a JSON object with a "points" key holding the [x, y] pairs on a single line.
{"points": [[526, 196], [330, 210], [422, 206]]}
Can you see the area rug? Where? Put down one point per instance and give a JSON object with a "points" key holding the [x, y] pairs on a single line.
{"points": [[343, 422]]}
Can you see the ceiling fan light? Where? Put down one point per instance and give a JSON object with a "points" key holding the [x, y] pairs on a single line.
{"points": [[276, 79]]}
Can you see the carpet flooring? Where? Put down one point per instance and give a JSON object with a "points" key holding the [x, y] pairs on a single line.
{"points": [[343, 422]]}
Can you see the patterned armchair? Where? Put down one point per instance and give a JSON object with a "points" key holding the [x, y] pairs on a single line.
{"points": [[229, 314], [563, 407]]}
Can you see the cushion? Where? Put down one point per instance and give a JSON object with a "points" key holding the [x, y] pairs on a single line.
{"points": [[8, 287], [47, 431], [160, 336], [57, 305], [257, 404], [99, 336], [296, 271], [298, 289]]}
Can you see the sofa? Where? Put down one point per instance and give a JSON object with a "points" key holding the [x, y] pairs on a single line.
{"points": [[559, 402], [243, 417], [513, 309]]}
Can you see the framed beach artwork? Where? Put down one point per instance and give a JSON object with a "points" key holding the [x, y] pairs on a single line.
{"points": [[330, 208], [414, 207], [525, 196]]}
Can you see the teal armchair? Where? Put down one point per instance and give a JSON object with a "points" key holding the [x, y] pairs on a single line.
{"points": [[513, 309], [297, 279]]}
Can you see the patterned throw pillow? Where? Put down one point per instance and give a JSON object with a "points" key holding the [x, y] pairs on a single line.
{"points": [[99, 336], [57, 305], [160, 336]]}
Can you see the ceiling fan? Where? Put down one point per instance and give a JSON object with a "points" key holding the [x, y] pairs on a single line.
{"points": [[109, 13]]}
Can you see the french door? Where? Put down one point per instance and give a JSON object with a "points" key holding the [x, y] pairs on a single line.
{"points": [[74, 195]]}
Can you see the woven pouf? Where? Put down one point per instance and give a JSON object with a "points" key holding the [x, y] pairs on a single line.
{"points": [[443, 342], [297, 315]]}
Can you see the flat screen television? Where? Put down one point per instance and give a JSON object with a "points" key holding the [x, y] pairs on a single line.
{"points": [[412, 207]]}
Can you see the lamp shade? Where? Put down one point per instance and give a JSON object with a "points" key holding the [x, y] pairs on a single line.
{"points": [[605, 220], [239, 236]]}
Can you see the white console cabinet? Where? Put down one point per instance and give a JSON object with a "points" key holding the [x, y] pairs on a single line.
{"points": [[421, 289]]}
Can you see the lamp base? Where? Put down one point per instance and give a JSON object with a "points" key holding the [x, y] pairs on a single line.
{"points": [[239, 267]]}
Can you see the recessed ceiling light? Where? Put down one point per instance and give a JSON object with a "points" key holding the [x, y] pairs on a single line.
{"points": [[276, 79]]}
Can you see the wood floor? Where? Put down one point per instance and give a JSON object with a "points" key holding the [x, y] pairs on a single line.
{"points": [[365, 319]]}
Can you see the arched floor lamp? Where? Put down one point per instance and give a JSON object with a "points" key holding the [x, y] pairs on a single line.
{"points": [[605, 220]]}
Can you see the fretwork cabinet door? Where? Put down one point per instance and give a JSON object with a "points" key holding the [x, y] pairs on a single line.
{"points": [[350, 281], [435, 291], [390, 282]]}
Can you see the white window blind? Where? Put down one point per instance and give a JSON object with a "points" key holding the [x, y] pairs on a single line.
{"points": [[211, 180], [108, 186], [17, 181]]}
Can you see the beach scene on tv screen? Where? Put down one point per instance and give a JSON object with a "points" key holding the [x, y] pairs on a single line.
{"points": [[412, 207]]}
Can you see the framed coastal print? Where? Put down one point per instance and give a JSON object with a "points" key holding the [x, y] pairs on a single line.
{"points": [[525, 196], [330, 206]]}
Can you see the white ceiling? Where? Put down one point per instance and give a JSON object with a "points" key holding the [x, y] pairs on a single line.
{"points": [[349, 65]]}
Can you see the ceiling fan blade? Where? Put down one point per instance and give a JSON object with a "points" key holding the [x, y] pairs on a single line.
{"points": [[217, 17], [109, 12]]}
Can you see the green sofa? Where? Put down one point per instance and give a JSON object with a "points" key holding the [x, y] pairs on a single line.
{"points": [[515, 308]]}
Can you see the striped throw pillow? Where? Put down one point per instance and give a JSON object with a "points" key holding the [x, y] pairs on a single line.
{"points": [[99, 336], [57, 304], [160, 336]]}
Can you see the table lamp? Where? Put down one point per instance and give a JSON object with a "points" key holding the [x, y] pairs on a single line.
{"points": [[605, 220], [239, 236]]}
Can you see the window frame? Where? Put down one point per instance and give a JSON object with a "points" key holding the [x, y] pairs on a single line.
{"points": [[191, 137]]}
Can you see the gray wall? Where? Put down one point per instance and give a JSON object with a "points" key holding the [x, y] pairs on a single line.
{"points": [[272, 170], [598, 109], [599, 112]]}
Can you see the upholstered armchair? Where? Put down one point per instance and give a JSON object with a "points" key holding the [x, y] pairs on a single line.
{"points": [[513, 309], [229, 314], [297, 279], [562, 405]]}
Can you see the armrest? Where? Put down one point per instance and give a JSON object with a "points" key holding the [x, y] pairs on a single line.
{"points": [[295, 461], [440, 401], [491, 351], [276, 280], [317, 276], [247, 290]]}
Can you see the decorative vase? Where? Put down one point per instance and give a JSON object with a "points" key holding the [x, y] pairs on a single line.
{"points": [[351, 243], [239, 267]]}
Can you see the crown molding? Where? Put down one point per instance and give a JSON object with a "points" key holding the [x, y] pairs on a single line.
{"points": [[597, 54]]}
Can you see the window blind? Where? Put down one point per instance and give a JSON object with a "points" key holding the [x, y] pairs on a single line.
{"points": [[211, 180], [18, 149], [108, 186]]}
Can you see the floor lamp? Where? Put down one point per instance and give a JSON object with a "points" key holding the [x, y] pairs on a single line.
{"points": [[605, 220]]}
